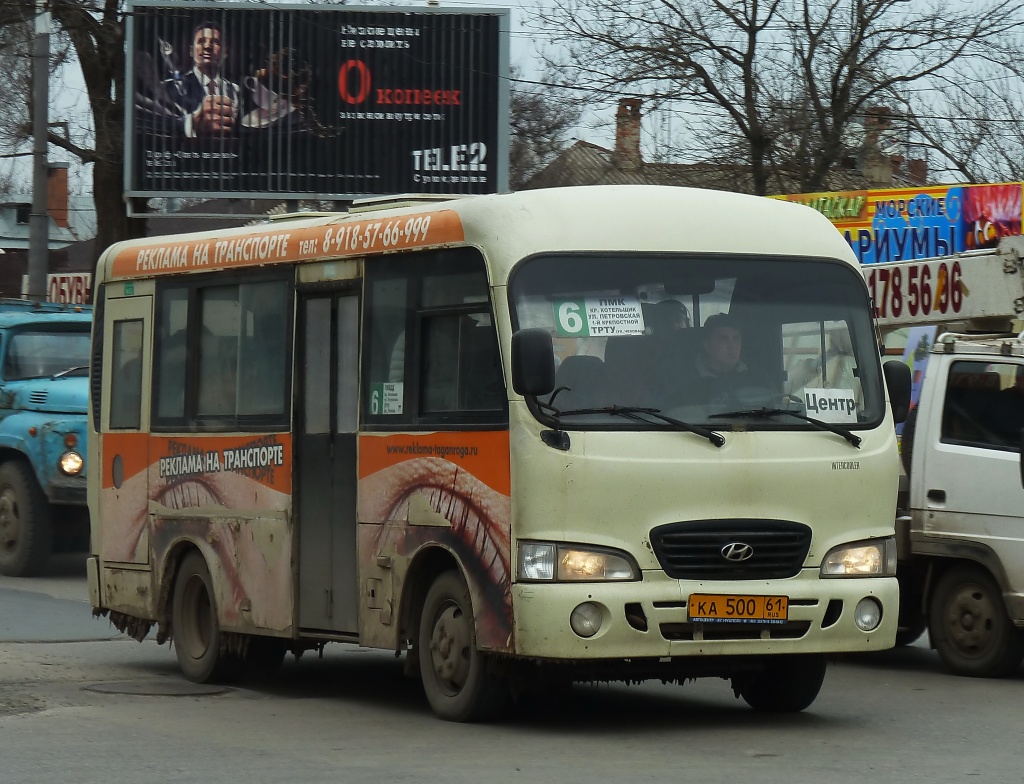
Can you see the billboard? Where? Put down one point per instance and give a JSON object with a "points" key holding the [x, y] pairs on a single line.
{"points": [[327, 101], [917, 223]]}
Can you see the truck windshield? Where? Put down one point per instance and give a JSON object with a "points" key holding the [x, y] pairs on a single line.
{"points": [[41, 353], [704, 340]]}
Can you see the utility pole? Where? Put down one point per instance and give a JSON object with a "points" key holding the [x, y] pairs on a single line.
{"points": [[39, 220]]}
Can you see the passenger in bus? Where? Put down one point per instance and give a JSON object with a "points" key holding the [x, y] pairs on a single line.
{"points": [[668, 316]]}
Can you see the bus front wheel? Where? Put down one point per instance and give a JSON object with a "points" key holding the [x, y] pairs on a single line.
{"points": [[788, 684], [456, 677], [197, 635]]}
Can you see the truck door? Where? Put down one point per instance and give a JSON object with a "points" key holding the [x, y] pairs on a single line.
{"points": [[326, 456], [970, 485]]}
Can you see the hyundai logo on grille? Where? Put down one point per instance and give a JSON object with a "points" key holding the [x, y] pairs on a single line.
{"points": [[737, 551]]}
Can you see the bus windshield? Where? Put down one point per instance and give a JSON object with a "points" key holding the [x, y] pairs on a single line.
{"points": [[722, 342]]}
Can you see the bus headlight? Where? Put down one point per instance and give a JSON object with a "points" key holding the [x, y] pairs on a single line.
{"points": [[71, 463], [573, 563], [874, 558]]}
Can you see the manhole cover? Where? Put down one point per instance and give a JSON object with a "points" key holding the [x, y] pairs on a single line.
{"points": [[158, 688]]}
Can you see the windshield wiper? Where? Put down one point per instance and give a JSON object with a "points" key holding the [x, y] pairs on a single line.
{"points": [[69, 371], [635, 413], [751, 413]]}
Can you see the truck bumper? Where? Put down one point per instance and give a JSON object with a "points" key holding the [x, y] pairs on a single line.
{"points": [[67, 490]]}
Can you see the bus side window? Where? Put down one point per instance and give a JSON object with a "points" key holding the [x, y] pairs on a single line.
{"points": [[481, 383], [232, 364], [126, 379], [461, 365], [171, 355]]}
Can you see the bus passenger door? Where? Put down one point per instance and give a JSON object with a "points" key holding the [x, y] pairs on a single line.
{"points": [[124, 425], [326, 425]]}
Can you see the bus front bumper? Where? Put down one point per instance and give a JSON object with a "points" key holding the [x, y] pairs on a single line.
{"points": [[650, 618]]}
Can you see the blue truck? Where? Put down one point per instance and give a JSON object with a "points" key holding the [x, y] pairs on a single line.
{"points": [[44, 395]]}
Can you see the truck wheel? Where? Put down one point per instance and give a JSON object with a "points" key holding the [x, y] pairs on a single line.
{"points": [[969, 625], [197, 635], [787, 685], [456, 676], [26, 528]]}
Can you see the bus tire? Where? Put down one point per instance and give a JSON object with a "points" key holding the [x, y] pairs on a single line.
{"points": [[788, 684], [197, 635], [969, 625], [26, 525], [456, 675]]}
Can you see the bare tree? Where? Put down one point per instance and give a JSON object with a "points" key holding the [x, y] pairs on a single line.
{"points": [[973, 125], [541, 118], [784, 80], [92, 32]]}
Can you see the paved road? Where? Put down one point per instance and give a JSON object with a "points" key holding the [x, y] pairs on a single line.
{"points": [[113, 710]]}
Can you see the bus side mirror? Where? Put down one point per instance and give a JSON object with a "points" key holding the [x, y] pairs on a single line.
{"points": [[533, 362], [897, 379]]}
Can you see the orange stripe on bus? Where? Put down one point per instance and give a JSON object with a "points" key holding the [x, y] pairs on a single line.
{"points": [[281, 244], [133, 448], [484, 454]]}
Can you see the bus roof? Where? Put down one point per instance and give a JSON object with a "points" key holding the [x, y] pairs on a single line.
{"points": [[508, 227]]}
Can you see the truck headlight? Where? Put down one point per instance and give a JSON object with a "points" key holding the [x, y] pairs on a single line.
{"points": [[573, 563], [873, 558], [72, 463]]}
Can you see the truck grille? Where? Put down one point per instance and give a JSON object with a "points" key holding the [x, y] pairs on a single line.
{"points": [[769, 549]]}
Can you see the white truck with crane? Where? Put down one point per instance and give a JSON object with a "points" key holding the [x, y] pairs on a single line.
{"points": [[960, 528]]}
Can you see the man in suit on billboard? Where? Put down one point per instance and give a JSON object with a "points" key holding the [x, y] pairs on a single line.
{"points": [[209, 102]]}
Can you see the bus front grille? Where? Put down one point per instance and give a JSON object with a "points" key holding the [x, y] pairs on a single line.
{"points": [[731, 549]]}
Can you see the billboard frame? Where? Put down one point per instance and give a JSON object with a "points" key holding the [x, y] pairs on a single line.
{"points": [[503, 97]]}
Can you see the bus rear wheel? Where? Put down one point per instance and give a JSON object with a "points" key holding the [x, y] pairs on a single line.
{"points": [[456, 676], [788, 684], [197, 635]]}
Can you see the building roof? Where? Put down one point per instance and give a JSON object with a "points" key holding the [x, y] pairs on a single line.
{"points": [[584, 163], [81, 216]]}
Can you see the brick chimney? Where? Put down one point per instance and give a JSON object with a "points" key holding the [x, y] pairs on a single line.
{"points": [[57, 193], [917, 171], [627, 135]]}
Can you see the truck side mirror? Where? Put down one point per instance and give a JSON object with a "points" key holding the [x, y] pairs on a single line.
{"points": [[898, 380], [533, 362]]}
